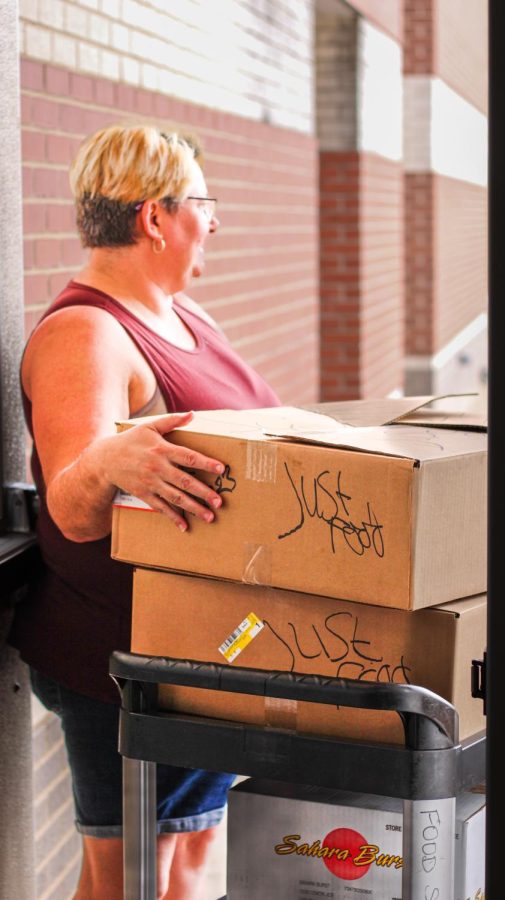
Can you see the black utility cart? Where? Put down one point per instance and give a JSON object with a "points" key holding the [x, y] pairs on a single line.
{"points": [[427, 773]]}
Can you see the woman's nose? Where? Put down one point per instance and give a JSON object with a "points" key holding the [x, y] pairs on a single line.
{"points": [[214, 224]]}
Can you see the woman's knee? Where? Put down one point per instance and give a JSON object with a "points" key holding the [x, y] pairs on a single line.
{"points": [[102, 868]]}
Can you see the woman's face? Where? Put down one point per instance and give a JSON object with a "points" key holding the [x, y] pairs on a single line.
{"points": [[187, 230]]}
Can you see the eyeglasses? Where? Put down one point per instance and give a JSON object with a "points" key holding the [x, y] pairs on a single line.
{"points": [[206, 204]]}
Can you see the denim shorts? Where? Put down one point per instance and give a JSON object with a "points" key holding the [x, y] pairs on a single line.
{"points": [[187, 799]]}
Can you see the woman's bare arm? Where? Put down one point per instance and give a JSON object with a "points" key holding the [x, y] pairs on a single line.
{"points": [[78, 374]]}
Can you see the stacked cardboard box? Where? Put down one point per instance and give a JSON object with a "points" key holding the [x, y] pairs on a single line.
{"points": [[314, 842], [266, 628], [391, 515], [340, 533]]}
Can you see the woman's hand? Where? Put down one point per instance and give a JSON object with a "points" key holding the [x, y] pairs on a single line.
{"points": [[141, 462]]}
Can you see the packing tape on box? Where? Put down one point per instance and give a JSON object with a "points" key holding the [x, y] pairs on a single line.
{"points": [[257, 566], [261, 462], [281, 713]]}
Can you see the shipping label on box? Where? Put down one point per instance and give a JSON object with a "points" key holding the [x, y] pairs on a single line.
{"points": [[392, 515], [317, 843]]}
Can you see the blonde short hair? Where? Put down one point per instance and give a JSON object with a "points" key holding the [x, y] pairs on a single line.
{"points": [[120, 166]]}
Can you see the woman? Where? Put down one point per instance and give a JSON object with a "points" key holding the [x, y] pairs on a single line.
{"points": [[122, 340]]}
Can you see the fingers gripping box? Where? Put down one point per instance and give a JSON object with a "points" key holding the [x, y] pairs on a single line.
{"points": [[303, 843]]}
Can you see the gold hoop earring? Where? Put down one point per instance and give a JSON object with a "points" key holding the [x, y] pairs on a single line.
{"points": [[159, 245]]}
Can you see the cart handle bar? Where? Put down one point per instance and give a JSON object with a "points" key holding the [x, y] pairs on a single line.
{"points": [[421, 710]]}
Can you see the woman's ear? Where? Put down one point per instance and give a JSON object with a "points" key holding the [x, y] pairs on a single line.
{"points": [[149, 218]]}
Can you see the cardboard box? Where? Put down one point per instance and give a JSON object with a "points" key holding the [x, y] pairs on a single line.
{"points": [[276, 831], [391, 515], [192, 618]]}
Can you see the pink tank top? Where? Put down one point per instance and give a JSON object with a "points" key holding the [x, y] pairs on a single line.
{"points": [[80, 611]]}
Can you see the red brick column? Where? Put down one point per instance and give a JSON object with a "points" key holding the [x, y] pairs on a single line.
{"points": [[361, 275], [419, 260], [418, 45], [339, 275]]}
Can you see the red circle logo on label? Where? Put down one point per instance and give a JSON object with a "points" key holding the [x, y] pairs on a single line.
{"points": [[347, 844]]}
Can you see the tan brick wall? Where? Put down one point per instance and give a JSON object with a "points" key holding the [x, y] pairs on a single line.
{"points": [[382, 276], [446, 262], [460, 47], [362, 286], [261, 281], [385, 14], [460, 256]]}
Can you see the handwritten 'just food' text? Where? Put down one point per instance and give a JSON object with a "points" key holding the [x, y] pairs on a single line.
{"points": [[323, 498]]}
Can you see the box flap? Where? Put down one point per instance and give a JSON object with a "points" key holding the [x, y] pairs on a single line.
{"points": [[348, 414], [393, 427], [408, 442], [302, 425], [439, 419], [413, 410], [250, 424]]}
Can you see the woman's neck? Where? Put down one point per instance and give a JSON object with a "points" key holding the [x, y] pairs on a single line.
{"points": [[122, 274]]}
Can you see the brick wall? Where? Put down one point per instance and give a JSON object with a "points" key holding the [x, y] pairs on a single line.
{"points": [[358, 109], [460, 54], [388, 16], [445, 182], [419, 275], [336, 42], [251, 59], [340, 276], [362, 284], [418, 37], [337, 126], [262, 270], [460, 255], [382, 275], [445, 258]]}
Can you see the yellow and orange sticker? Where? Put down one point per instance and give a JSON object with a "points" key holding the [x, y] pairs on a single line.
{"points": [[241, 637]]}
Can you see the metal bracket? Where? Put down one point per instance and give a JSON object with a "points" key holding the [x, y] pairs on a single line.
{"points": [[479, 679], [21, 507]]}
